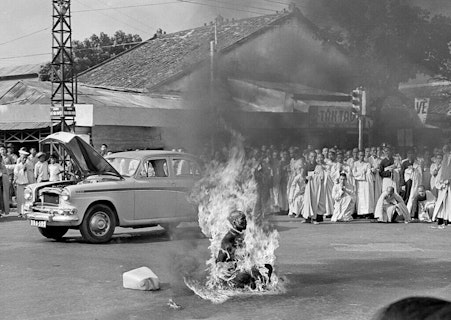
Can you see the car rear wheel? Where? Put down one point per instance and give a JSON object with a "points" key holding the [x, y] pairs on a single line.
{"points": [[52, 232], [98, 224]]}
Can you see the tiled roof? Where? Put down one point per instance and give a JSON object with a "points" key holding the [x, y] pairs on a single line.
{"points": [[168, 56], [21, 70]]}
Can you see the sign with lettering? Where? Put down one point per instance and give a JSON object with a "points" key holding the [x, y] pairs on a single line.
{"points": [[422, 108], [56, 112], [335, 117]]}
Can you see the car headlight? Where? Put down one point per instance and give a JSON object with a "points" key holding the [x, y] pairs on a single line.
{"points": [[27, 194], [65, 195]]}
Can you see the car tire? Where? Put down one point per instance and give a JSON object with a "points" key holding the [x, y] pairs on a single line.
{"points": [[52, 232], [98, 224]]}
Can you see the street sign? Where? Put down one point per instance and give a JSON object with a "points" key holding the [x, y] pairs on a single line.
{"points": [[422, 108], [56, 112]]}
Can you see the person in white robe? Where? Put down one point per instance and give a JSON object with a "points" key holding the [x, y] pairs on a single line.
{"points": [[344, 200], [442, 210], [315, 199], [423, 205], [297, 189], [434, 169], [364, 182], [375, 162], [21, 180], [389, 206], [415, 173]]}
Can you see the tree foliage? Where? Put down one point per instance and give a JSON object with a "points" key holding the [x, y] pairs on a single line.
{"points": [[96, 49], [388, 41]]}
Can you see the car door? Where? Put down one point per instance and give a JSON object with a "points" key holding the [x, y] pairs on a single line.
{"points": [[186, 172], [155, 196]]}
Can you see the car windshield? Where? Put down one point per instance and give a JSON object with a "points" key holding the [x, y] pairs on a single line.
{"points": [[125, 166]]}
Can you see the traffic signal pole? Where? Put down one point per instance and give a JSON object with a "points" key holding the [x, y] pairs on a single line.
{"points": [[361, 124]]}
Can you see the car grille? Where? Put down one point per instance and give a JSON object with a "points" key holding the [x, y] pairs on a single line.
{"points": [[51, 198]]}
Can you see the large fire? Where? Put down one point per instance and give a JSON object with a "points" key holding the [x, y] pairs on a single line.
{"points": [[229, 189]]}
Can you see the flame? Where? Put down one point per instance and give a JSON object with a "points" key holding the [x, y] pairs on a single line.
{"points": [[225, 188]]}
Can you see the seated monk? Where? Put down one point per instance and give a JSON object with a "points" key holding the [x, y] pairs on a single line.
{"points": [[227, 258], [423, 205], [389, 206]]}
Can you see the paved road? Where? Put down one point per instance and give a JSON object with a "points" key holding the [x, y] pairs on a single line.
{"points": [[334, 271]]}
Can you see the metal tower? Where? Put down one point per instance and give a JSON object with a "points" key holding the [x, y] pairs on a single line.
{"points": [[62, 99]]}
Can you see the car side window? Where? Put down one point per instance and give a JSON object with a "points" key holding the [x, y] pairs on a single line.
{"points": [[185, 167], [155, 168]]}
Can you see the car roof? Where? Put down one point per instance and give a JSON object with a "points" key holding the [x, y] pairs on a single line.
{"points": [[148, 153]]}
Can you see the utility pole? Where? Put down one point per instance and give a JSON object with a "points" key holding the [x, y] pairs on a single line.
{"points": [[62, 99]]}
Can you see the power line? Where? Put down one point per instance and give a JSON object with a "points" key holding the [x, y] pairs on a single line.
{"points": [[222, 7], [124, 7], [251, 7], [128, 16], [24, 36], [27, 55], [109, 16]]}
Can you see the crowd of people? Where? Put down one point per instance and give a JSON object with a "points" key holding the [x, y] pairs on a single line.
{"points": [[19, 170], [375, 183], [311, 184]]}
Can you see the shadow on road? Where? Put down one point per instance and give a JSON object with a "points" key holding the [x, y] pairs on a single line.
{"points": [[147, 236]]}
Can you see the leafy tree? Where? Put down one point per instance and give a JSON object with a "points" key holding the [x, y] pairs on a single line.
{"points": [[388, 41], [96, 49]]}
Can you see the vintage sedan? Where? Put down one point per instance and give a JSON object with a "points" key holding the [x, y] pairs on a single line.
{"points": [[128, 189]]}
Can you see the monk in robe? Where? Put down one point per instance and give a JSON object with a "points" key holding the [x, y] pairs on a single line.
{"points": [[315, 198], [387, 170], [389, 206], [375, 162], [422, 205], [442, 210], [364, 184], [344, 200]]}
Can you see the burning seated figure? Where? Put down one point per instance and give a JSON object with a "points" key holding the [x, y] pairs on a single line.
{"points": [[232, 252]]}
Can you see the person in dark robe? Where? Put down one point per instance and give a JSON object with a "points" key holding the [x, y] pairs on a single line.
{"points": [[406, 175], [233, 240], [386, 170]]}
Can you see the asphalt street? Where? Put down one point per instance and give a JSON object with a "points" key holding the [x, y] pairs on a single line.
{"points": [[332, 271]]}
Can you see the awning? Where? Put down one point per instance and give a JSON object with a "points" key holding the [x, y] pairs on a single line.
{"points": [[14, 126]]}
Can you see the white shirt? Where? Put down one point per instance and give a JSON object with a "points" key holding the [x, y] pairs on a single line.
{"points": [[41, 171]]}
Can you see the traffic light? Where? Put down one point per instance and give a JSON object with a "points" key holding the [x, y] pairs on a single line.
{"points": [[356, 100]]}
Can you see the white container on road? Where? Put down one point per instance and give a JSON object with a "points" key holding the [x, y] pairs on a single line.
{"points": [[141, 279]]}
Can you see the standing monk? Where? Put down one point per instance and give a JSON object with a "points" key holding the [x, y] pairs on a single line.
{"points": [[364, 182], [442, 210], [375, 162], [386, 170]]}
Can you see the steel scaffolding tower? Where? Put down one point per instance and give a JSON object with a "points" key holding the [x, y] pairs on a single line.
{"points": [[62, 99]]}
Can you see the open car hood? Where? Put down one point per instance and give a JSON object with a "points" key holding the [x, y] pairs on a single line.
{"points": [[88, 160]]}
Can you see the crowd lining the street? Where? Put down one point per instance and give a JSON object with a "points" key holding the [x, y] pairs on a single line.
{"points": [[375, 183], [312, 184]]}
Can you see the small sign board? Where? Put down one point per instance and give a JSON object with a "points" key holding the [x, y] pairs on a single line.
{"points": [[335, 117], [422, 108], [56, 112]]}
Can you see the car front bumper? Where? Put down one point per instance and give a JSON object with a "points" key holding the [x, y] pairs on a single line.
{"points": [[51, 214]]}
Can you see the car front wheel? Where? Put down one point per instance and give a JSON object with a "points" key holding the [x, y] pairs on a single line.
{"points": [[98, 224], [51, 232]]}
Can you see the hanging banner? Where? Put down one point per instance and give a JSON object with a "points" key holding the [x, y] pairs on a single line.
{"points": [[422, 108]]}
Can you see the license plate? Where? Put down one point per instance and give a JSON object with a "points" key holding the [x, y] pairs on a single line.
{"points": [[38, 223]]}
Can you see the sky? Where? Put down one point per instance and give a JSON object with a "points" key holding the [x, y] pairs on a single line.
{"points": [[25, 25]]}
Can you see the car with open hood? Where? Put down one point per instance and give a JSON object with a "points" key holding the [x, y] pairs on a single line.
{"points": [[133, 189]]}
